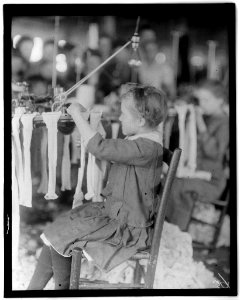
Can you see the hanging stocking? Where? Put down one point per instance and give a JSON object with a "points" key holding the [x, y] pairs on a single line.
{"points": [[181, 111], [51, 120], [75, 155], [15, 209], [115, 129], [168, 125], [66, 165], [27, 121], [42, 189], [93, 171], [192, 133], [17, 183], [18, 161], [78, 196], [90, 177]]}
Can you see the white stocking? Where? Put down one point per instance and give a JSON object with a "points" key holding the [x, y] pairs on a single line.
{"points": [[78, 196], [115, 129], [42, 189], [51, 120], [27, 121], [93, 171], [75, 155], [15, 209], [18, 160], [192, 133], [66, 165], [17, 183], [167, 131], [90, 177], [181, 111]]}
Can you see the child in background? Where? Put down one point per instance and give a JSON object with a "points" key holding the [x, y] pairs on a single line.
{"points": [[213, 140], [110, 232]]}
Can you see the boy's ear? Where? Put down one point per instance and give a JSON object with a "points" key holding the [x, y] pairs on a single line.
{"points": [[142, 122]]}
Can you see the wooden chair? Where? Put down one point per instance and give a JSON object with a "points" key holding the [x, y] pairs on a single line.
{"points": [[172, 160], [222, 204]]}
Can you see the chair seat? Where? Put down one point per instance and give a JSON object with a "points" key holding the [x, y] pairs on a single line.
{"points": [[216, 202], [141, 255], [100, 284]]}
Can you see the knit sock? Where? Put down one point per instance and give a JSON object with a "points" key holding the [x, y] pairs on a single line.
{"points": [[43, 271], [61, 270]]}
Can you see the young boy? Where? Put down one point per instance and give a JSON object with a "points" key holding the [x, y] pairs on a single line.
{"points": [[110, 232]]}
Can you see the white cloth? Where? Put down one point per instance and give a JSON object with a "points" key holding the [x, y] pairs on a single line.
{"points": [[95, 168], [27, 122], [188, 143], [18, 159], [78, 196], [182, 112], [43, 186], [51, 120], [15, 208], [66, 165], [115, 129], [17, 183], [75, 153], [192, 139]]}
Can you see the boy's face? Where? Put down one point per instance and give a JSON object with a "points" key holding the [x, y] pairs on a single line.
{"points": [[128, 118], [208, 102]]}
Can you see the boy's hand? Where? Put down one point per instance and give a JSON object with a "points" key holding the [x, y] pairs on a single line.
{"points": [[76, 109]]}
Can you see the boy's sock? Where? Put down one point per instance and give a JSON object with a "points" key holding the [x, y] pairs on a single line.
{"points": [[61, 270], [43, 271]]}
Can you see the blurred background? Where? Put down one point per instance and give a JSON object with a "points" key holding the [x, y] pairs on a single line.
{"points": [[200, 42]]}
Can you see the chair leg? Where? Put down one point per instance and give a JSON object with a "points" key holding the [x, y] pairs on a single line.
{"points": [[75, 269], [137, 273], [220, 223], [192, 210]]}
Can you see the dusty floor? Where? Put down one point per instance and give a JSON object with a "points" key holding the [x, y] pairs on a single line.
{"points": [[34, 220]]}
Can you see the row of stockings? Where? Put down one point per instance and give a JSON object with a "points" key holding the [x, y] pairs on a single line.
{"points": [[21, 164], [188, 143], [21, 172], [94, 183], [95, 169]]}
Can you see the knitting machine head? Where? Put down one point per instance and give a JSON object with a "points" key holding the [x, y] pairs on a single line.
{"points": [[21, 96], [135, 60], [30, 102]]}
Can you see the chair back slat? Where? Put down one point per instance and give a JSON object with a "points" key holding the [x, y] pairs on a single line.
{"points": [[172, 160]]}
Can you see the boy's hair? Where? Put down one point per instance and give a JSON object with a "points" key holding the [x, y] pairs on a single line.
{"points": [[150, 103], [215, 87]]}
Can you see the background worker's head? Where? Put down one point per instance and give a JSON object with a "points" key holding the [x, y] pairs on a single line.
{"points": [[211, 95]]}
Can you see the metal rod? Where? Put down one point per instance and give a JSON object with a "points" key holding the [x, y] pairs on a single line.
{"points": [[137, 25], [54, 70], [69, 91], [76, 85], [211, 59], [175, 50]]}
